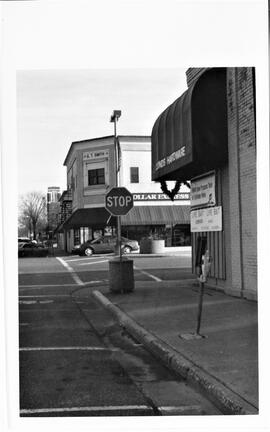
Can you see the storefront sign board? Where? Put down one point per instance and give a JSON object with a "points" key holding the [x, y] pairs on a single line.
{"points": [[202, 192], [206, 219], [97, 154], [183, 196]]}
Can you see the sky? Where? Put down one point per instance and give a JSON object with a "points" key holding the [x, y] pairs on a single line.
{"points": [[77, 61], [56, 107]]}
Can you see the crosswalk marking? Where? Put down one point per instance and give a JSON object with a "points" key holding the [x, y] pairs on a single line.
{"points": [[72, 271]]}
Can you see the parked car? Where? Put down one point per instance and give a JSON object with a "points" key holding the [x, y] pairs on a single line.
{"points": [[30, 249], [24, 240], [105, 244]]}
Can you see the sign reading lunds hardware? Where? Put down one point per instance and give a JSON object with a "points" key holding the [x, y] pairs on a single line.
{"points": [[171, 158]]}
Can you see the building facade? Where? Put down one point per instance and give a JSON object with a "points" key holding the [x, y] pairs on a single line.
{"points": [[91, 173], [208, 136], [53, 209]]}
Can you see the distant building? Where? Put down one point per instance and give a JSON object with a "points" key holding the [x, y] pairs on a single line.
{"points": [[208, 136], [53, 209], [91, 173]]}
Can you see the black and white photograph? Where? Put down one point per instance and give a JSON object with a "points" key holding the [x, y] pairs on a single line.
{"points": [[135, 215]]}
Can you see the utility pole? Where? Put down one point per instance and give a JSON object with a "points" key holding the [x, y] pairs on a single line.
{"points": [[114, 119]]}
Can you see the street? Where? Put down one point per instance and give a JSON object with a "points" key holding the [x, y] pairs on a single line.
{"points": [[74, 358]]}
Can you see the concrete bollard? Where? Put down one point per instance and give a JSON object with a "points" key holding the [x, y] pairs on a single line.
{"points": [[121, 275], [157, 246]]}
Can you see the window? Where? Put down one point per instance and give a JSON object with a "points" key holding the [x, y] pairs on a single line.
{"points": [[134, 174], [96, 176], [77, 236]]}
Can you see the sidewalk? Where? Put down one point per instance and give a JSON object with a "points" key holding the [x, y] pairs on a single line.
{"points": [[223, 364]]}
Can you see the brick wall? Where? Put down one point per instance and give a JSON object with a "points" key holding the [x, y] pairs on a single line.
{"points": [[242, 179]]}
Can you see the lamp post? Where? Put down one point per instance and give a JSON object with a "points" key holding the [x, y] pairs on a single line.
{"points": [[114, 119]]}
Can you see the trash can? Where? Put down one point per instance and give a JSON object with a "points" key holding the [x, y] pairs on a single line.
{"points": [[121, 275]]}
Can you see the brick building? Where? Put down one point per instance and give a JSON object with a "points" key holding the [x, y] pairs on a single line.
{"points": [[208, 136]]}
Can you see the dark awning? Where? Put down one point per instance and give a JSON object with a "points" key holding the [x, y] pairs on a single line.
{"points": [[190, 136], [90, 217], [157, 215]]}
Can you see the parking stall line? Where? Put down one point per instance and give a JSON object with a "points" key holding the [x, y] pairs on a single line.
{"points": [[44, 295], [22, 287], [94, 262], [87, 258], [87, 409], [148, 274], [69, 348]]}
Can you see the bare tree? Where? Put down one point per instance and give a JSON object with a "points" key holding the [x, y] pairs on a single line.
{"points": [[32, 211]]}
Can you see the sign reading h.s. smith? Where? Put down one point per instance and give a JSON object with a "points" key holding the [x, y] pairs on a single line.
{"points": [[98, 154]]}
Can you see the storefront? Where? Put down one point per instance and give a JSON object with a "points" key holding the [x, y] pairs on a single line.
{"points": [[90, 175], [207, 136]]}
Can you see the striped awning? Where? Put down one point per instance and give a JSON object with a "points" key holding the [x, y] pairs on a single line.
{"points": [[157, 215], [190, 137]]}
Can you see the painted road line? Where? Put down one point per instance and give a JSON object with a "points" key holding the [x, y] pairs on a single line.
{"points": [[88, 409], [148, 274], [69, 348], [181, 410], [88, 258], [71, 271], [44, 295], [35, 287], [35, 301], [93, 262], [79, 259], [46, 286], [103, 281]]}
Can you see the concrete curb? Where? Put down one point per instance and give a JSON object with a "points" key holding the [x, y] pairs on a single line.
{"points": [[226, 400]]}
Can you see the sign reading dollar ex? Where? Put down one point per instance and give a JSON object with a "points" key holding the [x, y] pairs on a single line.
{"points": [[119, 201]]}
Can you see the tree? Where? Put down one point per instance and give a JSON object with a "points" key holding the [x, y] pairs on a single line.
{"points": [[32, 212]]}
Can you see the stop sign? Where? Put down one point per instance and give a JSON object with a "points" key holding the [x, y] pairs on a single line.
{"points": [[119, 201]]}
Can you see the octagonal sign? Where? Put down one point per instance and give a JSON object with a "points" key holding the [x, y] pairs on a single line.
{"points": [[119, 201]]}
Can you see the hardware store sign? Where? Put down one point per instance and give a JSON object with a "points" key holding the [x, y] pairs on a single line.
{"points": [[207, 219], [202, 192]]}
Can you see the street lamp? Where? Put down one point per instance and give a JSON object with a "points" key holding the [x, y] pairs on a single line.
{"points": [[114, 119]]}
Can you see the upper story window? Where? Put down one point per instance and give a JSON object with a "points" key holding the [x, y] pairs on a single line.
{"points": [[134, 174], [96, 177]]}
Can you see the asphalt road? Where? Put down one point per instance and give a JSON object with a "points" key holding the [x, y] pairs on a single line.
{"points": [[75, 360]]}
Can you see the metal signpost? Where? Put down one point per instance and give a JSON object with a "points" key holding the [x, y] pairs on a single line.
{"points": [[119, 201], [205, 216]]}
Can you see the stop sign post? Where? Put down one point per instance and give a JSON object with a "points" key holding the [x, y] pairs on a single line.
{"points": [[119, 201]]}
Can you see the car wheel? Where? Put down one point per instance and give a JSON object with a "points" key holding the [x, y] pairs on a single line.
{"points": [[88, 251], [126, 249]]}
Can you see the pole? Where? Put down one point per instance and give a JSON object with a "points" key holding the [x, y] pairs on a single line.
{"points": [[118, 245], [199, 315]]}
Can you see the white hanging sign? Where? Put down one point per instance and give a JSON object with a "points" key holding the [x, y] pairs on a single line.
{"points": [[206, 219], [202, 192]]}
